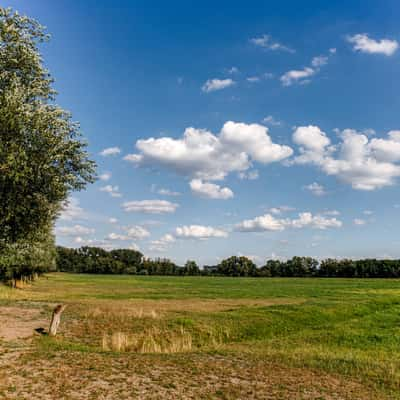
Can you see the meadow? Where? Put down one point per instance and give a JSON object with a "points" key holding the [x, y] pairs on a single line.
{"points": [[201, 338]]}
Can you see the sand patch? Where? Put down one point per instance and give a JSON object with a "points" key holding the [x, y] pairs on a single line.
{"points": [[20, 322]]}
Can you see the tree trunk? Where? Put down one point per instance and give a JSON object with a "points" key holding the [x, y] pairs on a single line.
{"points": [[55, 319]]}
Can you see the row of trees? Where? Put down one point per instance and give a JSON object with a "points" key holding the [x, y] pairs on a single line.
{"points": [[42, 156], [124, 261]]}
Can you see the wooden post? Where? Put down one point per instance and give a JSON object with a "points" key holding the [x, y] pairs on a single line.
{"points": [[55, 319]]}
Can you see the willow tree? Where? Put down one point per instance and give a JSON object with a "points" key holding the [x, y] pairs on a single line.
{"points": [[42, 154]]}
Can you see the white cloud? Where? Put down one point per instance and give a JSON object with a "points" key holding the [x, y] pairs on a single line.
{"points": [[167, 192], [76, 230], [199, 232], [296, 76], [267, 222], [210, 190], [270, 120], [203, 155], [150, 206], [366, 165], [110, 151], [106, 176], [250, 175], [212, 85], [319, 61], [116, 236], [137, 232], [264, 222], [280, 209], [71, 210], [162, 244], [266, 42], [302, 76], [368, 212], [113, 191], [359, 221], [316, 189], [363, 43], [255, 141], [112, 220]]}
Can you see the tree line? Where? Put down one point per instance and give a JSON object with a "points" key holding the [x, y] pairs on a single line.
{"points": [[94, 260]]}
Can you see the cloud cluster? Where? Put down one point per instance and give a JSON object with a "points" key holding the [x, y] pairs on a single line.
{"points": [[356, 160], [363, 43], [268, 222], [150, 206], [202, 155]]}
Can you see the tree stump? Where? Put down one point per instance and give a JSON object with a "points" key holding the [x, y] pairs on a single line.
{"points": [[55, 319]]}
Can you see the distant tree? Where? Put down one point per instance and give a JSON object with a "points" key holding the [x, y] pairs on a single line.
{"points": [[191, 268], [42, 156], [237, 266]]}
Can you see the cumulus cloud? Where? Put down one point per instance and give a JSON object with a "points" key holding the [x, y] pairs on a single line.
{"points": [[110, 151], [76, 230], [150, 206], [199, 232], [316, 189], [363, 43], [202, 155], [266, 42], [268, 222], [212, 85], [71, 210], [210, 190], [113, 191], [363, 163]]}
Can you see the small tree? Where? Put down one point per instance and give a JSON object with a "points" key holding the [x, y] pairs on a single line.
{"points": [[191, 268], [42, 156]]}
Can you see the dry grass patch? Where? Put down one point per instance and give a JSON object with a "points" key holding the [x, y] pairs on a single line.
{"points": [[154, 340]]}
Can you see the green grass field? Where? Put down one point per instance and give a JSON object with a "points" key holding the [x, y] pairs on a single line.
{"points": [[200, 337]]}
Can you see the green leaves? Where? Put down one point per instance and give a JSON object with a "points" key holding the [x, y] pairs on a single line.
{"points": [[42, 156]]}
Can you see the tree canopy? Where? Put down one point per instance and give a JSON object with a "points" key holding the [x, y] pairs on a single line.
{"points": [[42, 154]]}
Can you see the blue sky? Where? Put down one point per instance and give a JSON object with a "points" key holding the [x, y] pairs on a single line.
{"points": [[267, 129]]}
